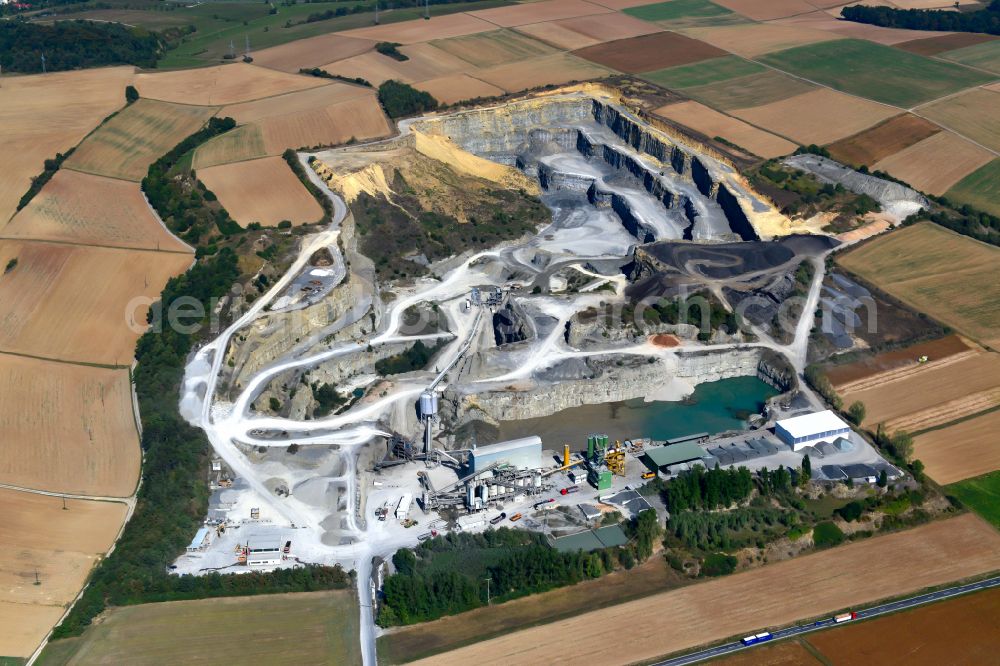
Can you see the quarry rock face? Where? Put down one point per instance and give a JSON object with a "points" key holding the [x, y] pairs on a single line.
{"points": [[610, 383], [658, 187]]}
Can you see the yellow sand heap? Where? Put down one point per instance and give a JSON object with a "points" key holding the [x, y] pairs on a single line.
{"points": [[370, 180], [443, 149]]}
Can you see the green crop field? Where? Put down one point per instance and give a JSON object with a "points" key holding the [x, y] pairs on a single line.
{"points": [[981, 494], [703, 73], [681, 13], [984, 56], [748, 91], [980, 189], [303, 628], [880, 73]]}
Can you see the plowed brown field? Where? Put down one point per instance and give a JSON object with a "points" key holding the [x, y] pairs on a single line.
{"points": [[787, 653], [857, 573], [883, 140], [550, 70], [67, 428], [819, 117], [457, 88], [126, 145], [73, 302], [711, 123], [43, 115], [936, 163], [419, 30], [961, 451], [650, 52], [935, 45], [224, 84], [311, 52], [535, 12], [842, 375], [73, 208], [62, 546], [264, 191]]}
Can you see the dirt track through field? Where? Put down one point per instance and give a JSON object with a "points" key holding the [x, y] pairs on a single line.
{"points": [[782, 593]]}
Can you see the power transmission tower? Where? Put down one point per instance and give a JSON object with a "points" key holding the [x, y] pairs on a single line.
{"points": [[427, 9], [376, 12], [247, 54], [232, 50], [43, 63]]}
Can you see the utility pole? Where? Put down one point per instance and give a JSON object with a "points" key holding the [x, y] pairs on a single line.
{"points": [[232, 50], [37, 582], [376, 12], [247, 54], [43, 63], [64, 504], [487, 591], [427, 9]]}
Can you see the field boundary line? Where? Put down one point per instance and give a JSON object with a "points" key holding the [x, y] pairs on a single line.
{"points": [[102, 175], [958, 421], [100, 245], [125, 499], [89, 364]]}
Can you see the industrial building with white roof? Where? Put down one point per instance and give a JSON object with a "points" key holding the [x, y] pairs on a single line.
{"points": [[809, 429]]}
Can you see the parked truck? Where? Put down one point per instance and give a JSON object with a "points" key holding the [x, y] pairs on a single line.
{"points": [[753, 639], [496, 521]]}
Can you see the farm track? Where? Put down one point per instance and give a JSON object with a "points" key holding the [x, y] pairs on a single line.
{"points": [[903, 373]]}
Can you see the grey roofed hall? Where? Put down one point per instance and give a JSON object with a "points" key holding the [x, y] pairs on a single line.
{"points": [[663, 456]]}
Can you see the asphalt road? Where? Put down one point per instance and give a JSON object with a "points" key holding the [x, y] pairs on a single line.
{"points": [[867, 613]]}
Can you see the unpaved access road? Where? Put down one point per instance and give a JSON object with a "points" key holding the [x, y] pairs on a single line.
{"points": [[772, 596]]}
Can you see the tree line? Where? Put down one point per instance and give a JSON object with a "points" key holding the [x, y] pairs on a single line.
{"points": [[985, 20], [428, 584], [173, 499]]}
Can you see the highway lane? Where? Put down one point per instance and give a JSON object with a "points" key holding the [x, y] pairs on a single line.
{"points": [[868, 613]]}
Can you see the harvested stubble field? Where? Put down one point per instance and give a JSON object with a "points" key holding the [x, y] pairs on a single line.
{"points": [[961, 451], [668, 622], [73, 208], [126, 145], [492, 48], [948, 276], [62, 546], [535, 12], [80, 425], [311, 52], [242, 143], [305, 628], [980, 189], [425, 62], [956, 631], [936, 163], [883, 140], [875, 71], [650, 52], [918, 397], [264, 191], [73, 302], [419, 30], [223, 84], [821, 116], [935, 45], [821, 20], [42, 115], [844, 377], [711, 123], [584, 31], [550, 70], [766, 10], [306, 100], [984, 56], [974, 114], [754, 39], [458, 88], [360, 119]]}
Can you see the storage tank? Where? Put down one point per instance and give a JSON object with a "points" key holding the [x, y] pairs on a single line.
{"points": [[428, 403]]}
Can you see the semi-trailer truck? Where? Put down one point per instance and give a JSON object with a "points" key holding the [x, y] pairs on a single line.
{"points": [[845, 617]]}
